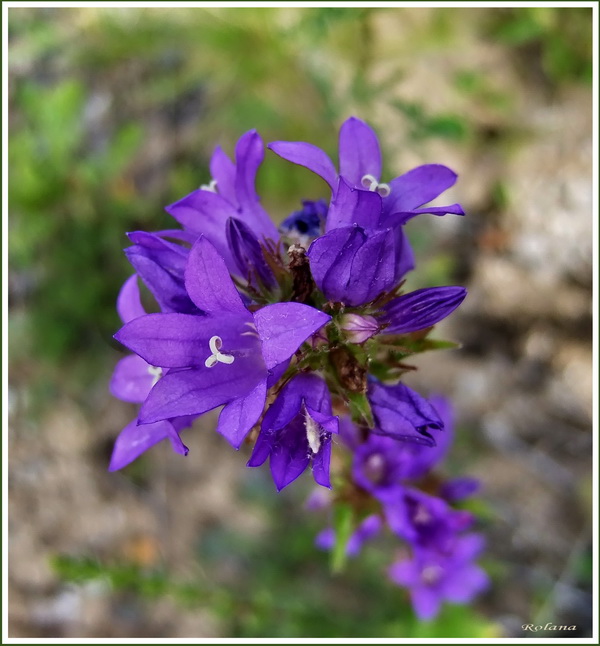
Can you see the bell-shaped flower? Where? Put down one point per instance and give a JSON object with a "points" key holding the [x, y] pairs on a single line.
{"points": [[225, 357], [360, 164], [296, 431], [247, 254], [231, 194], [132, 381]]}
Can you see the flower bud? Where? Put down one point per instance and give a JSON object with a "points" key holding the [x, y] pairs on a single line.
{"points": [[359, 328]]}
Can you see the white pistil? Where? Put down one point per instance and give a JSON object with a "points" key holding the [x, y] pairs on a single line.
{"points": [[215, 345], [212, 186], [313, 433], [431, 574], [370, 182], [156, 372]]}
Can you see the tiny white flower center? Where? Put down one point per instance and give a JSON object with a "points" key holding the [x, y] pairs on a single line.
{"points": [[313, 433], [156, 372], [212, 186], [370, 182], [215, 344], [422, 517], [431, 574]]}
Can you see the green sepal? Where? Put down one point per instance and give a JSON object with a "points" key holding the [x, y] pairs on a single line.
{"points": [[360, 409]]}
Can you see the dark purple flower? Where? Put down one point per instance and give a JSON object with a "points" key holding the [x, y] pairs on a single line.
{"points": [[132, 381], [230, 195], [360, 165], [351, 267], [308, 223], [369, 528], [402, 414], [296, 431], [433, 577], [420, 309], [223, 357]]}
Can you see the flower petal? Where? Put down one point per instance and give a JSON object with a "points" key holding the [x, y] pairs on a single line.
{"points": [[419, 186], [182, 340], [421, 309], [134, 440], [208, 282], [240, 415], [131, 381], [129, 304], [309, 156], [351, 205], [283, 327], [359, 151], [222, 170], [196, 391]]}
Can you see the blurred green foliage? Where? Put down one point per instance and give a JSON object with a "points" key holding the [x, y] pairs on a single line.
{"points": [[282, 593]]}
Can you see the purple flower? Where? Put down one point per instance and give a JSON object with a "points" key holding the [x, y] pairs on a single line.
{"points": [[231, 194], [247, 254], [132, 381], [296, 431], [433, 577], [369, 528], [402, 414], [351, 267], [360, 164], [423, 520], [226, 356], [359, 328], [459, 488], [420, 309]]}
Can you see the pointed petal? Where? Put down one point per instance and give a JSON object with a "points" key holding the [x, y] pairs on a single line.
{"points": [[283, 327], [196, 391], [320, 465], [131, 381], [181, 340], [359, 151], [426, 602], [129, 304], [239, 416], [222, 169], [402, 217], [419, 186], [208, 282], [249, 153], [351, 205], [134, 440], [247, 254], [309, 156], [464, 584], [421, 309]]}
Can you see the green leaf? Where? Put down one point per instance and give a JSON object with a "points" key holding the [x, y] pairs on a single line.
{"points": [[343, 524]]}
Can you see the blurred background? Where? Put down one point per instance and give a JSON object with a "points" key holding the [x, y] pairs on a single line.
{"points": [[114, 113]]}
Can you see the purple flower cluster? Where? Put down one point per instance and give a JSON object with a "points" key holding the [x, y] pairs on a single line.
{"points": [[300, 333]]}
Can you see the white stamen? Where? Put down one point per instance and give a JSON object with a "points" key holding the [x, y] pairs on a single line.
{"points": [[370, 182], [156, 372], [422, 517], [212, 187], [431, 574], [383, 189], [313, 433], [215, 344]]}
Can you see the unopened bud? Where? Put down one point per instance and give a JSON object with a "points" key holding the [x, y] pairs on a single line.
{"points": [[359, 328]]}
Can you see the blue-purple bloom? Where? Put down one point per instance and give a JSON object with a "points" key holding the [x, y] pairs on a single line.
{"points": [[224, 356], [434, 576]]}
